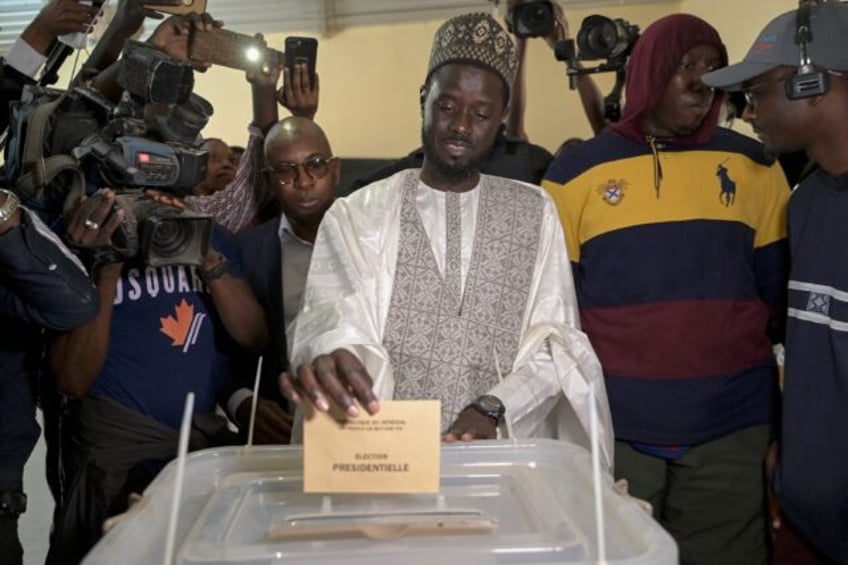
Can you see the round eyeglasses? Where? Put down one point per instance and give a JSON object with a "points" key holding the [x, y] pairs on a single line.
{"points": [[287, 173]]}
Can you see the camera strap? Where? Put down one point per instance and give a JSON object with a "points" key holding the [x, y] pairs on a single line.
{"points": [[39, 171]]}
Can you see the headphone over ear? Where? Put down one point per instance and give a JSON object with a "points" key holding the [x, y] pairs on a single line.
{"points": [[808, 81]]}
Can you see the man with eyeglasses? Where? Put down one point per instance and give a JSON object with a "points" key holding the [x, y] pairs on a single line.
{"points": [[423, 284], [811, 480], [302, 173], [676, 232]]}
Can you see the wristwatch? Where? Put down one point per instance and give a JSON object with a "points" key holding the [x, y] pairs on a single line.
{"points": [[9, 205], [490, 406], [219, 270]]}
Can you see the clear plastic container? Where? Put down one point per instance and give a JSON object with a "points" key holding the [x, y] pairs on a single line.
{"points": [[528, 502]]}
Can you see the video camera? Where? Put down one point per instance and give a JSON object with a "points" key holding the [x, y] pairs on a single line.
{"points": [[531, 18], [65, 144], [600, 38]]}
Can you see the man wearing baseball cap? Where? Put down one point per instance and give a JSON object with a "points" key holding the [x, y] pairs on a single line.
{"points": [[795, 78]]}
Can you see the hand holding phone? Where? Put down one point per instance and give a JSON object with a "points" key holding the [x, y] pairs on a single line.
{"points": [[230, 49], [299, 93], [78, 39], [302, 51]]}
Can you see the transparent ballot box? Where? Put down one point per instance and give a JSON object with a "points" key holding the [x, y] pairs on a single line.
{"points": [[528, 502]]}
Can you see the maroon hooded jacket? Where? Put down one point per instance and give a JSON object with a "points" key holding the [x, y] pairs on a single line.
{"points": [[654, 61]]}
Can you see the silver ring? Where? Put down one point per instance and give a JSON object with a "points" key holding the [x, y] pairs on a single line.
{"points": [[91, 224]]}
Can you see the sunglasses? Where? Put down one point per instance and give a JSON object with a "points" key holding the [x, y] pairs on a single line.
{"points": [[287, 173]]}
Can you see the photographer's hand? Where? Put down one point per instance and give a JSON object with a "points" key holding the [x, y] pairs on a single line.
{"points": [[297, 95], [560, 31], [56, 18], [264, 94], [91, 224], [166, 199], [264, 79], [173, 34], [76, 357], [590, 95]]}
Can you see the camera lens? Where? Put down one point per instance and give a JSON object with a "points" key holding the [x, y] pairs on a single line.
{"points": [[533, 18], [171, 237], [603, 39], [536, 16]]}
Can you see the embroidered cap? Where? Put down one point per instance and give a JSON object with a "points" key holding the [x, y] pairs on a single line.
{"points": [[776, 46], [475, 39]]}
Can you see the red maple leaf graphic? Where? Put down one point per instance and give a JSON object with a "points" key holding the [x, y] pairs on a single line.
{"points": [[177, 328]]}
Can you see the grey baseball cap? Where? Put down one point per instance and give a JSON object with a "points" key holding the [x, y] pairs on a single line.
{"points": [[776, 47]]}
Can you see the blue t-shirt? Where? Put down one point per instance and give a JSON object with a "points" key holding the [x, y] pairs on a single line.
{"points": [[165, 339]]}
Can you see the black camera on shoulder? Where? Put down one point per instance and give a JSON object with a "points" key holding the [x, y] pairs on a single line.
{"points": [[65, 144], [606, 39], [531, 18]]}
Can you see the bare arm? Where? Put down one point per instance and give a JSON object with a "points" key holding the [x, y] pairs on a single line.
{"points": [[236, 304], [590, 95], [592, 101], [235, 207], [56, 18], [518, 96], [76, 357], [129, 16]]}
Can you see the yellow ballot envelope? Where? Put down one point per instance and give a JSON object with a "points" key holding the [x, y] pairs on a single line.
{"points": [[395, 451]]}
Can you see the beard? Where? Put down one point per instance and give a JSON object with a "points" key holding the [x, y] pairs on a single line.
{"points": [[447, 171]]}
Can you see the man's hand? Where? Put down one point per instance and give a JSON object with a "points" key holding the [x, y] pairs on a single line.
{"points": [[91, 224], [560, 30], [263, 79], [273, 425], [297, 95], [774, 513], [471, 424], [173, 34], [161, 197], [338, 377], [56, 18]]}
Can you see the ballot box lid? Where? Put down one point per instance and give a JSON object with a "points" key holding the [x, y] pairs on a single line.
{"points": [[504, 501]]}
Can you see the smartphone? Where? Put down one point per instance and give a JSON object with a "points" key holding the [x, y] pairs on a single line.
{"points": [[230, 49], [302, 50], [177, 6]]}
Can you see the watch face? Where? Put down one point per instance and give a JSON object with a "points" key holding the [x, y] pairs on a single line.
{"points": [[489, 403], [491, 406]]}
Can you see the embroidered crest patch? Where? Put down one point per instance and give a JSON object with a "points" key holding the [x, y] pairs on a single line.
{"points": [[613, 191]]}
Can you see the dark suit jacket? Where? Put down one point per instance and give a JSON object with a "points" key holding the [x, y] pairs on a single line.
{"points": [[11, 85], [261, 260]]}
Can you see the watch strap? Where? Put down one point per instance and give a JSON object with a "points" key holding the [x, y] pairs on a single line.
{"points": [[9, 206]]}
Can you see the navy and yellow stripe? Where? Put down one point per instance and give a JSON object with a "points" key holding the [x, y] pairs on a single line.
{"points": [[678, 283]]}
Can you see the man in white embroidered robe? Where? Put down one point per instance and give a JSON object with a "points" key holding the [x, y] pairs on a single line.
{"points": [[423, 283]]}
